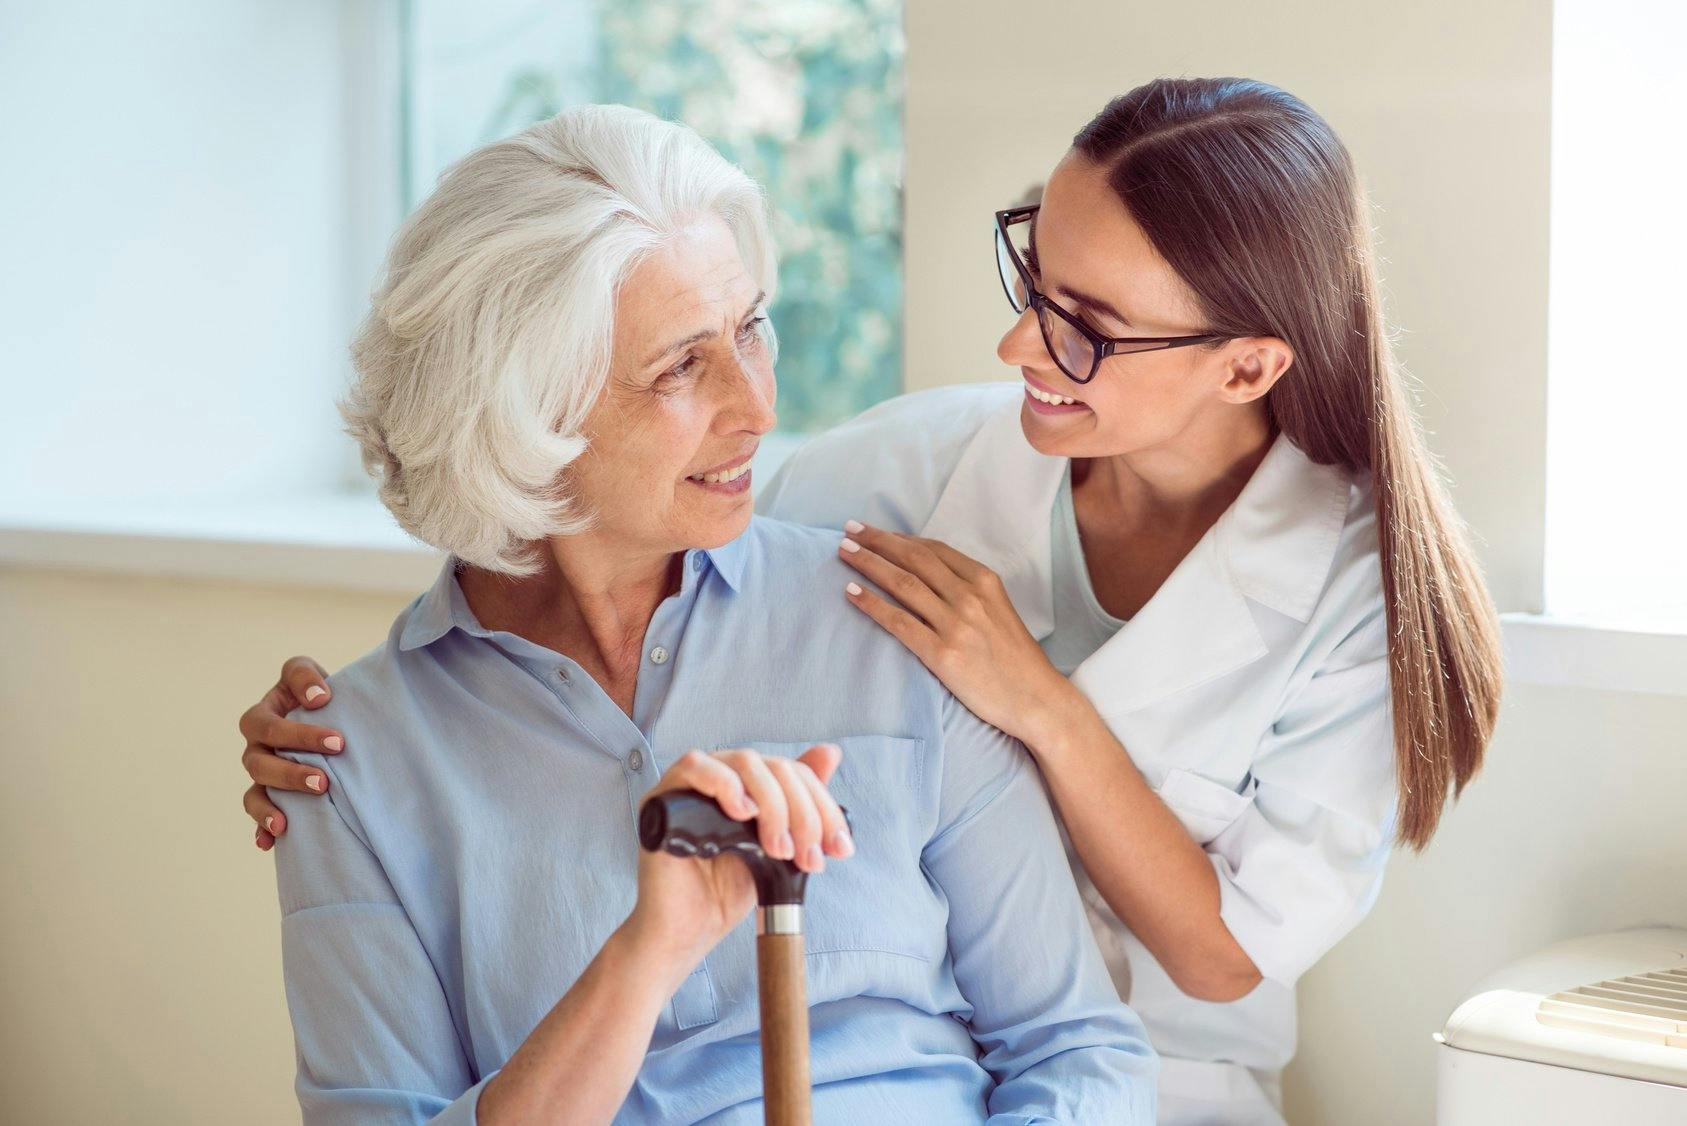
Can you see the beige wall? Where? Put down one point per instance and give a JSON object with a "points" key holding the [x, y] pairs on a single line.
{"points": [[140, 972], [1445, 105]]}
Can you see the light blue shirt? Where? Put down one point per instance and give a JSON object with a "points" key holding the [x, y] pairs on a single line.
{"points": [[477, 846]]}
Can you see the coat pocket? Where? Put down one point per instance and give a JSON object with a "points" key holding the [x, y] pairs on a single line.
{"points": [[1205, 807]]}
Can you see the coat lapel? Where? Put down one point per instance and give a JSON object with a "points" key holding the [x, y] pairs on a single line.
{"points": [[1273, 546]]}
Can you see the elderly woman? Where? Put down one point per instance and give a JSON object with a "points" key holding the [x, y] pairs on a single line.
{"points": [[562, 382]]}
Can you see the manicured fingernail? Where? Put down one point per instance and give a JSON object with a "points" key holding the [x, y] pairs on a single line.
{"points": [[269, 823], [850, 545], [314, 782], [334, 743], [784, 847], [314, 691], [812, 860], [854, 589], [854, 526], [842, 844]]}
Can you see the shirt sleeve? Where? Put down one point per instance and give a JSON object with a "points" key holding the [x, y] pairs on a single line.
{"points": [[374, 1035], [1304, 861], [1052, 1031]]}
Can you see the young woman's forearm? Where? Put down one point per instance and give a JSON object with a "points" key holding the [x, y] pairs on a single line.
{"points": [[580, 1062], [1158, 881]]}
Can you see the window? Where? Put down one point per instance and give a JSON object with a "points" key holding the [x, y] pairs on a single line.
{"points": [[1617, 400], [805, 96]]}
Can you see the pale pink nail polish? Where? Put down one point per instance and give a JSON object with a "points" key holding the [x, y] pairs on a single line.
{"points": [[854, 589], [854, 527], [314, 783], [851, 546], [334, 743], [314, 691], [269, 823]]}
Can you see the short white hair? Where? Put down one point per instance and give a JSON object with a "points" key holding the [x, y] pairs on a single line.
{"points": [[489, 337]]}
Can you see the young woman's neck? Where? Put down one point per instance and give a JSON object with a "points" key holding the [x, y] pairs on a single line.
{"points": [[1187, 482]]}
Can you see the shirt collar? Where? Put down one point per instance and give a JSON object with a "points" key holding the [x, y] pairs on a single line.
{"points": [[442, 607]]}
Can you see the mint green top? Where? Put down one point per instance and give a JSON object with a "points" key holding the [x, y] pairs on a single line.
{"points": [[1081, 626]]}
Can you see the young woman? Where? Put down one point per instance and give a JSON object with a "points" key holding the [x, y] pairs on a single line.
{"points": [[1197, 561]]}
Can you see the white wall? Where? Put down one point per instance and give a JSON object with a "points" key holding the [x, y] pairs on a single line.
{"points": [[174, 221], [1574, 828]]}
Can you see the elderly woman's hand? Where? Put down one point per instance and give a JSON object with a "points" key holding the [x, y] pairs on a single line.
{"points": [[265, 727], [686, 906]]}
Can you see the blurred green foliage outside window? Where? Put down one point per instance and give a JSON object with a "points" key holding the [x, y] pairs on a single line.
{"points": [[804, 95]]}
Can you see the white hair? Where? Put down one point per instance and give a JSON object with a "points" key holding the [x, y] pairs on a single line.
{"points": [[488, 340]]}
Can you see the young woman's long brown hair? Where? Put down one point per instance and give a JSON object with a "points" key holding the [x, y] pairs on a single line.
{"points": [[1253, 200]]}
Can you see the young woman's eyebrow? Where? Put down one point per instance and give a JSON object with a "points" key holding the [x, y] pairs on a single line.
{"points": [[1093, 304], [703, 334]]}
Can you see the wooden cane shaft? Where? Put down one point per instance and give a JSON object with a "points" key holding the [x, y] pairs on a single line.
{"points": [[784, 1029]]}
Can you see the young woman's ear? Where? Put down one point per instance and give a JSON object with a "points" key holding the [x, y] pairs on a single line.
{"points": [[1253, 365]]}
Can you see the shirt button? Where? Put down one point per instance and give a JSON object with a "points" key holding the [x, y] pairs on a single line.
{"points": [[635, 761], [659, 656], [697, 562]]}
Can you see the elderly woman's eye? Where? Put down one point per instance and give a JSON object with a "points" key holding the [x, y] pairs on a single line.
{"points": [[751, 332], [679, 370]]}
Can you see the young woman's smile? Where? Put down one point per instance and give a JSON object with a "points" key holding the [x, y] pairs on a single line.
{"points": [[1044, 399]]}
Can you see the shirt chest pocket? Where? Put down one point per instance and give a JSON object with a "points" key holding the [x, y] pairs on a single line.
{"points": [[1205, 807], [877, 901]]}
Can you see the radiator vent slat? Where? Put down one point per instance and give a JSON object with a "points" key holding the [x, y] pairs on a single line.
{"points": [[1651, 1008]]}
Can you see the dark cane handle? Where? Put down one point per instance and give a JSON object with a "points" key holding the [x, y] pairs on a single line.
{"points": [[686, 823]]}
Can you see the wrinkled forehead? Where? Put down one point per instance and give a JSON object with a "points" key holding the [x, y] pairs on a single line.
{"points": [[693, 281]]}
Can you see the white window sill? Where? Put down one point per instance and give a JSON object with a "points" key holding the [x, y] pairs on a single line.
{"points": [[341, 540], [1556, 652], [344, 541]]}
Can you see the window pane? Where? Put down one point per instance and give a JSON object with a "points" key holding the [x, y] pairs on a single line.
{"points": [[1616, 518], [805, 95]]}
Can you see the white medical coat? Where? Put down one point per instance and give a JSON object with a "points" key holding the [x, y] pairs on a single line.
{"points": [[1251, 691]]}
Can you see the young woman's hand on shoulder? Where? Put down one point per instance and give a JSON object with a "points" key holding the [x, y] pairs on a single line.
{"points": [[953, 613]]}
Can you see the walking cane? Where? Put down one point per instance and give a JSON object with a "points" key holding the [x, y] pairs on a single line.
{"points": [[685, 823]]}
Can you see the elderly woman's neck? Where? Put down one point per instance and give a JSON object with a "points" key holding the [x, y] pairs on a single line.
{"points": [[589, 603]]}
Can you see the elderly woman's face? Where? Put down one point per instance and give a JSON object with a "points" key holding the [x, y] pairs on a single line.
{"points": [[690, 394]]}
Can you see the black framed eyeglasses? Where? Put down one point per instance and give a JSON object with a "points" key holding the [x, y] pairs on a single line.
{"points": [[1074, 345]]}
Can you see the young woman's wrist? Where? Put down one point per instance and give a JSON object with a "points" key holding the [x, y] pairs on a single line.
{"points": [[1061, 719]]}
